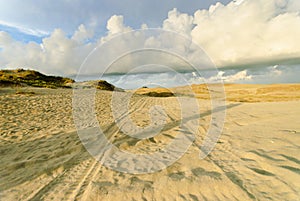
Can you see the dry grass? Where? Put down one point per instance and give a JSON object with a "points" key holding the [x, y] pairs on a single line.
{"points": [[237, 92], [21, 77]]}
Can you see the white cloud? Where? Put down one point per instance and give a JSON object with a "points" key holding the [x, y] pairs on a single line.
{"points": [[144, 26], [57, 54], [181, 23], [116, 25], [25, 30], [241, 32], [249, 31], [239, 76], [82, 34]]}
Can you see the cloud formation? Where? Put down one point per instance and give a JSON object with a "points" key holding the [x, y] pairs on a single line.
{"points": [[68, 15], [249, 31], [116, 25], [239, 76], [241, 33], [57, 54]]}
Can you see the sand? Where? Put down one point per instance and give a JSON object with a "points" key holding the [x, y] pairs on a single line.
{"points": [[256, 158]]}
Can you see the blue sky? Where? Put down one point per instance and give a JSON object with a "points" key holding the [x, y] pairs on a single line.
{"points": [[42, 17], [245, 39], [19, 35]]}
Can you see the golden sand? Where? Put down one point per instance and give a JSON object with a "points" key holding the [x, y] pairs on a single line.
{"points": [[256, 157]]}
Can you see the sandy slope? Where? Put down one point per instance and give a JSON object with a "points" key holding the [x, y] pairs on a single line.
{"points": [[256, 158]]}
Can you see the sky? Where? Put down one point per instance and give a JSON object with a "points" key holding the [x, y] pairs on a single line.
{"points": [[252, 41]]}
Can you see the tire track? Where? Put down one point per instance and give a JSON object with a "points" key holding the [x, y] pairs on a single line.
{"points": [[57, 188], [74, 183]]}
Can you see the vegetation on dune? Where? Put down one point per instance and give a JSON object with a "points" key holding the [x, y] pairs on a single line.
{"points": [[154, 92], [21, 77], [104, 85], [159, 94]]}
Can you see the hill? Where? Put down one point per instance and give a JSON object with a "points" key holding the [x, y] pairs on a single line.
{"points": [[22, 78]]}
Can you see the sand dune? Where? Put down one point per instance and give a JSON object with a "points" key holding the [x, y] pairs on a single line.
{"points": [[256, 157], [237, 92]]}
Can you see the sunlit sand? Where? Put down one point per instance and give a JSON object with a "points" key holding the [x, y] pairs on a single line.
{"points": [[256, 157]]}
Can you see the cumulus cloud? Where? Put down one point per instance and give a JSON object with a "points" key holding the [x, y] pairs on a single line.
{"points": [[82, 34], [249, 31], [243, 32], [178, 22], [57, 54], [116, 25], [237, 77]]}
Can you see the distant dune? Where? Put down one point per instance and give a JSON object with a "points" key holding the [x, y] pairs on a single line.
{"points": [[236, 92]]}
